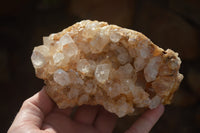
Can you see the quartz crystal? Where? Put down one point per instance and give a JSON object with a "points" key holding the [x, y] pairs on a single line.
{"points": [[94, 63], [58, 57], [61, 77], [102, 72], [39, 55]]}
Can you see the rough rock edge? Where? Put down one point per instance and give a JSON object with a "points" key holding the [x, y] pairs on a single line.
{"points": [[167, 56]]}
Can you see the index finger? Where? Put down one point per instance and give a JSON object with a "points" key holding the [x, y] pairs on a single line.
{"points": [[146, 121]]}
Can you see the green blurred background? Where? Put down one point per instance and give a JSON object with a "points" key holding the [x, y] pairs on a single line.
{"points": [[171, 24]]}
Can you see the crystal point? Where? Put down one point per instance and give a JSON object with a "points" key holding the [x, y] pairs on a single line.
{"points": [[61, 77]]}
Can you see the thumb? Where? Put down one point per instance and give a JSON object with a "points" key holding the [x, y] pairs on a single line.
{"points": [[33, 111]]}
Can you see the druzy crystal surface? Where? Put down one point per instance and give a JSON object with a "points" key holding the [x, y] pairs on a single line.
{"points": [[94, 63]]}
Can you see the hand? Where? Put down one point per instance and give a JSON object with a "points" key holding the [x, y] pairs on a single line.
{"points": [[39, 114]]}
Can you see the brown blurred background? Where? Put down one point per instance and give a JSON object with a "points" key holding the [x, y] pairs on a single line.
{"points": [[171, 24]]}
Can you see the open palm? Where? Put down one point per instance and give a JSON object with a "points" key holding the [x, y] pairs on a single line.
{"points": [[39, 114]]}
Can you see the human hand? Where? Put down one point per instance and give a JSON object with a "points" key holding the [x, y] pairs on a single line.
{"points": [[39, 114]]}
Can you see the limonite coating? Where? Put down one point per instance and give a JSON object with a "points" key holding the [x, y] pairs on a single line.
{"points": [[95, 63]]}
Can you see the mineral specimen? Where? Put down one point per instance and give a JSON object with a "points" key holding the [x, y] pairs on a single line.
{"points": [[94, 63]]}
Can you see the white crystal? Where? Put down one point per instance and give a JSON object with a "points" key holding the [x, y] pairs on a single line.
{"points": [[125, 71], [83, 66], [143, 50], [115, 37], [66, 39], [67, 46], [99, 42], [128, 68], [132, 52], [58, 57], [90, 87], [51, 36], [105, 30], [39, 56], [70, 51], [92, 26], [102, 72], [90, 30], [155, 101], [132, 39], [139, 63], [130, 83], [75, 78], [61, 77], [114, 90], [47, 41], [141, 98], [83, 47], [123, 58], [151, 70], [86, 67], [92, 65], [73, 93], [37, 59], [174, 63], [43, 49], [123, 107]]}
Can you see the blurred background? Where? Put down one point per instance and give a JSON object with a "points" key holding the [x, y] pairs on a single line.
{"points": [[173, 24]]}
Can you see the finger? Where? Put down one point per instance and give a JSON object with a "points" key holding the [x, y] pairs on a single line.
{"points": [[86, 114], [105, 121], [42, 101], [33, 111], [56, 123], [146, 121]]}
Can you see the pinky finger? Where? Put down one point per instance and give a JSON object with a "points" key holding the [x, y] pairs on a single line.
{"points": [[146, 121]]}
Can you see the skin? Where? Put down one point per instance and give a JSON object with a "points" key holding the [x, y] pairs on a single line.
{"points": [[39, 114]]}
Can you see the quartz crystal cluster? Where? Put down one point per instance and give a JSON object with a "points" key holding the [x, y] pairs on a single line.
{"points": [[94, 63]]}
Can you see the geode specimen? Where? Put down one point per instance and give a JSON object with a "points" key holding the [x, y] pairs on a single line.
{"points": [[94, 63]]}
